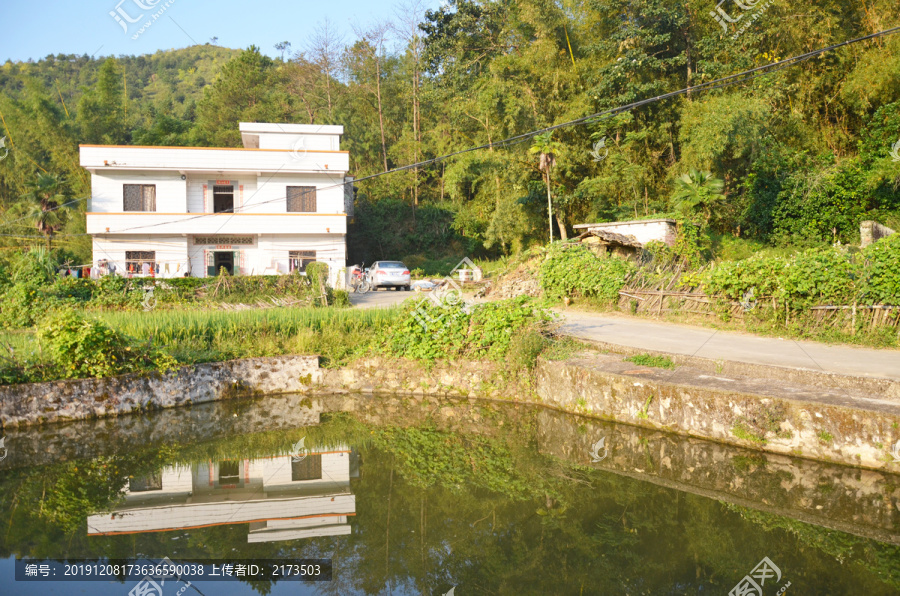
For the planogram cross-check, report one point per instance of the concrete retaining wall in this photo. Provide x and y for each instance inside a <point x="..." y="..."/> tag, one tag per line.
<point x="806" y="421"/>
<point x="804" y="424"/>
<point x="78" y="399"/>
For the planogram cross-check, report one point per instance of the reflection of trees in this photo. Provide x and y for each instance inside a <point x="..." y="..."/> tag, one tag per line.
<point x="480" y="509"/>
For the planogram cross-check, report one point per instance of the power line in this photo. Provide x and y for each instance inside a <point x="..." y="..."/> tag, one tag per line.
<point x="734" y="79"/>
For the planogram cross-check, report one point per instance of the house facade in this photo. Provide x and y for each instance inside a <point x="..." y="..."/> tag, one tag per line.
<point x="641" y="230"/>
<point x="281" y="497"/>
<point x="272" y="207"/>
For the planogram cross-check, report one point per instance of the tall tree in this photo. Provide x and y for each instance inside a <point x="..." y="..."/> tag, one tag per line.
<point x="547" y="148"/>
<point x="45" y="204"/>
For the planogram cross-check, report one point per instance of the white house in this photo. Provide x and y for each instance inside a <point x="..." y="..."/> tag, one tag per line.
<point x="271" y="207"/>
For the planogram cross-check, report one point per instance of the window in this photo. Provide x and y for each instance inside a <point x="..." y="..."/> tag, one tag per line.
<point x="223" y="198"/>
<point x="309" y="468"/>
<point x="140" y="197"/>
<point x="141" y="262"/>
<point x="299" y="259"/>
<point x="301" y="199"/>
<point x="144" y="483"/>
<point x="229" y="472"/>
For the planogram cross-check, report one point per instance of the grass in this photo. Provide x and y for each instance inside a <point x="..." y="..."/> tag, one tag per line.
<point x="648" y="360"/>
<point x="204" y="336"/>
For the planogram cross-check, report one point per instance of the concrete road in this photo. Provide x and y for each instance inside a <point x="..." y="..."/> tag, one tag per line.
<point x="730" y="345"/>
<point x="380" y="299"/>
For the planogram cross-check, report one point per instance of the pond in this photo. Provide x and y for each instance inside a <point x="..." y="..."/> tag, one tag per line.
<point x="435" y="496"/>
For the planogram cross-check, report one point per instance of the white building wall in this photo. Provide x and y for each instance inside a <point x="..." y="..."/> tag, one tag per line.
<point x="171" y="250"/>
<point x="108" y="195"/>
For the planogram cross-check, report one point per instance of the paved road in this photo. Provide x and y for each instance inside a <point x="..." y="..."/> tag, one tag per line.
<point x="703" y="342"/>
<point x="730" y="345"/>
<point x="380" y="299"/>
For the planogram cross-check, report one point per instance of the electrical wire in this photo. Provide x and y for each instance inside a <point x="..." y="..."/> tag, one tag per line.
<point x="727" y="81"/>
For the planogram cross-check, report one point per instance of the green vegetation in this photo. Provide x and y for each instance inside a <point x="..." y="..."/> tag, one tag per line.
<point x="742" y="430"/>
<point x="761" y="163"/>
<point x="429" y="331"/>
<point x="649" y="360"/>
<point x="573" y="270"/>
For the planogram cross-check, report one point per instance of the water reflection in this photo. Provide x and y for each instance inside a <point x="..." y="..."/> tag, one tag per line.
<point x="281" y="497"/>
<point x="486" y="496"/>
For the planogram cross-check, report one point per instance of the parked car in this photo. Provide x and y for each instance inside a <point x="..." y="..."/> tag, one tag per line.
<point x="389" y="274"/>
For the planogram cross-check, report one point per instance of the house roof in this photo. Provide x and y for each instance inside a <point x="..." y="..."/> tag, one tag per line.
<point x="611" y="237"/>
<point x="622" y="223"/>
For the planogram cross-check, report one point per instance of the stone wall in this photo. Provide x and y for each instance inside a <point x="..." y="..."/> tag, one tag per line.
<point x="871" y="232"/>
<point x="78" y="399"/>
<point x="814" y="422"/>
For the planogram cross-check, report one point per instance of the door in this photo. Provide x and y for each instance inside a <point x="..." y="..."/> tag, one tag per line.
<point x="223" y="198"/>
<point x="223" y="259"/>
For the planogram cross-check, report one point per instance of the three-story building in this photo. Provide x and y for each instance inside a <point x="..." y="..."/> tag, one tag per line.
<point x="272" y="207"/>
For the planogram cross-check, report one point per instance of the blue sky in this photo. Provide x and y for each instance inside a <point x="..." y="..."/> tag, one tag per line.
<point x="36" y="28"/>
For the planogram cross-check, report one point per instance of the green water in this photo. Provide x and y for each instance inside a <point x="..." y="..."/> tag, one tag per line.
<point x="418" y="497"/>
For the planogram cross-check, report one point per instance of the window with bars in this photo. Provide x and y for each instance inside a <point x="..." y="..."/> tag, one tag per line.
<point x="142" y="262"/>
<point x="139" y="197"/>
<point x="309" y="468"/>
<point x="299" y="259"/>
<point x="142" y="484"/>
<point x="301" y="199"/>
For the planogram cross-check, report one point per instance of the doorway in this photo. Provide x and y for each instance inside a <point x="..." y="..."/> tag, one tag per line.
<point x="223" y="259"/>
<point x="223" y="198"/>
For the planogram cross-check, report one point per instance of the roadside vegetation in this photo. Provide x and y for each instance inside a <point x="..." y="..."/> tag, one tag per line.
<point x="59" y="328"/>
<point x="835" y="293"/>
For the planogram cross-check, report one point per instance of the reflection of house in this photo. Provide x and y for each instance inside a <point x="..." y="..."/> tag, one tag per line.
<point x="281" y="499"/>
<point x="627" y="237"/>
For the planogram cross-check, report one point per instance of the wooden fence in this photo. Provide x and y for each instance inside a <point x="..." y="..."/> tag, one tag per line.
<point x="656" y="295"/>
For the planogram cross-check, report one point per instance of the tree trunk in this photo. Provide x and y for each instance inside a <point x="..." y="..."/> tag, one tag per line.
<point x="563" y="235"/>
<point x="380" y="110"/>
<point x="549" y="207"/>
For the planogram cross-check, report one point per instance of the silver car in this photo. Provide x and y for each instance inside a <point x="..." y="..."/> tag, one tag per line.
<point x="389" y="274"/>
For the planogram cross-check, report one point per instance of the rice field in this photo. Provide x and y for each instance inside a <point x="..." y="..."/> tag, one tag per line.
<point x="186" y="325"/>
<point x="204" y="336"/>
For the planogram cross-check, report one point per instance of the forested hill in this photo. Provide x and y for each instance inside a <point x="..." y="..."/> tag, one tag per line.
<point x="797" y="157"/>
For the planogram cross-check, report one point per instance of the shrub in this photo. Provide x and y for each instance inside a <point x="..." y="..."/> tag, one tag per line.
<point x="83" y="347"/>
<point x="427" y="330"/>
<point x="882" y="272"/>
<point x="573" y="270"/>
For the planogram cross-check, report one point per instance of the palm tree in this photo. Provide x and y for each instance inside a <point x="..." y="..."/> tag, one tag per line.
<point x="45" y="204"/>
<point x="698" y="191"/>
<point x="548" y="149"/>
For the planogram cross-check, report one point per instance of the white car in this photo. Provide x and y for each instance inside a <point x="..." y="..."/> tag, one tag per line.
<point x="389" y="274"/>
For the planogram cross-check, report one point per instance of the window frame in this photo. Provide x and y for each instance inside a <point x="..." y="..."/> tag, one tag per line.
<point x="307" y="257"/>
<point x="307" y="199"/>
<point x="143" y="198"/>
<point x="138" y="258"/>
